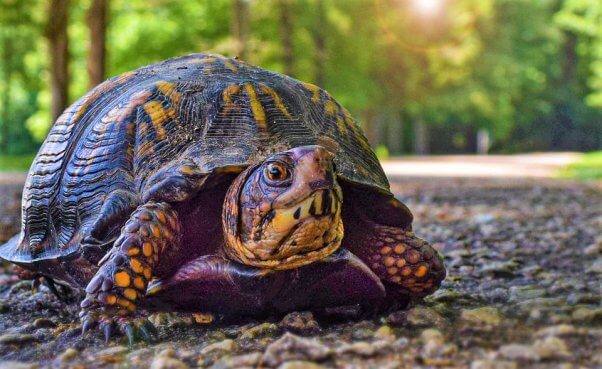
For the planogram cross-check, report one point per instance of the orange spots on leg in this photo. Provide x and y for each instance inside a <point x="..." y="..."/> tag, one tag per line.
<point x="139" y="283"/>
<point x="130" y="293"/>
<point x="136" y="266"/>
<point x="147" y="249"/>
<point x="399" y="248"/>
<point x="385" y="250"/>
<point x="122" y="279"/>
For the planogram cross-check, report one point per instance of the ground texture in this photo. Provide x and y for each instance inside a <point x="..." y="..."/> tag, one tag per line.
<point x="523" y="291"/>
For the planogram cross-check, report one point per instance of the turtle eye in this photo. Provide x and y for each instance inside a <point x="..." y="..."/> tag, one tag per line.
<point x="277" y="172"/>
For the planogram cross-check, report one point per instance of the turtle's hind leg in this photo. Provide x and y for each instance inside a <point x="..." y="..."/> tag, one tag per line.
<point x="113" y="293"/>
<point x="408" y="266"/>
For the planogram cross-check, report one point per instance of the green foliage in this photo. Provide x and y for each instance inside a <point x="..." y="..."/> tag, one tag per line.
<point x="15" y="162"/>
<point x="528" y="71"/>
<point x="589" y="167"/>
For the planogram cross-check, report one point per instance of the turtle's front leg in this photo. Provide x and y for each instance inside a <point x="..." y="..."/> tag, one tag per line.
<point x="112" y="295"/>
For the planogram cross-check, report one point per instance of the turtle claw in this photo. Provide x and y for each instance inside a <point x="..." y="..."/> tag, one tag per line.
<point x="87" y="324"/>
<point x="135" y="329"/>
<point x="107" y="330"/>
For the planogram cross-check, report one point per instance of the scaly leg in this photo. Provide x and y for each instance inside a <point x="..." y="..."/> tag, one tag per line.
<point x="112" y="295"/>
<point x="408" y="266"/>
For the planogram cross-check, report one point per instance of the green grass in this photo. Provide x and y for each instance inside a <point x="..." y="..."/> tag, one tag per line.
<point x="589" y="167"/>
<point x="15" y="162"/>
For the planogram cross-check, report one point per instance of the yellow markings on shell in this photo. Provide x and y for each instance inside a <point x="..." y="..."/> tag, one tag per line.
<point x="169" y="89"/>
<point x="159" y="116"/>
<point x="207" y="60"/>
<point x="227" y="95"/>
<point x="315" y="91"/>
<point x="342" y="126"/>
<point x="147" y="273"/>
<point x="330" y="108"/>
<point x="136" y="266"/>
<point x="228" y="64"/>
<point x="277" y="101"/>
<point x="256" y="107"/>
<point x="122" y="279"/>
<point x="130" y="294"/>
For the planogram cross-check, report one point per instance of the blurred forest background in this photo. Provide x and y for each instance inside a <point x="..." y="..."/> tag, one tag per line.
<point x="423" y="76"/>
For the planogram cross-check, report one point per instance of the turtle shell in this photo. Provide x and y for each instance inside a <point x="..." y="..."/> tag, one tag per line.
<point x="218" y="112"/>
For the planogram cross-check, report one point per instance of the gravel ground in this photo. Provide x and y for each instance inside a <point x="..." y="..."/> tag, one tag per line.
<point x="523" y="290"/>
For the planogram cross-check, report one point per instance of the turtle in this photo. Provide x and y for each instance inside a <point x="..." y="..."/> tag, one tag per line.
<point x="205" y="184"/>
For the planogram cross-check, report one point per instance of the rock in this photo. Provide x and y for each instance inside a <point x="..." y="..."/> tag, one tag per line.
<point x="302" y="323"/>
<point x="518" y="352"/>
<point x="585" y="315"/>
<point x="16" y="338"/>
<point x="557" y="330"/>
<point x="166" y="359"/>
<point x="43" y="323"/>
<point x="363" y="330"/>
<point x="363" y="348"/>
<point x="68" y="355"/>
<point x="17" y="365"/>
<point x="596" y="267"/>
<point x="487" y="316"/>
<point x="384" y="332"/>
<point x="493" y="364"/>
<point x="594" y="249"/>
<point x="112" y="354"/>
<point x="417" y="317"/>
<point x="292" y="347"/>
<point x="260" y="330"/>
<point x="521" y="293"/>
<point x="434" y="344"/>
<point x="300" y="365"/>
<point x="551" y="348"/>
<point x="251" y="360"/>
<point x="225" y="346"/>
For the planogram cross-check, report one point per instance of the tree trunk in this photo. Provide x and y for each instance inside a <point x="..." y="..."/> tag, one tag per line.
<point x="97" y="23"/>
<point x="58" y="11"/>
<point x="286" y="31"/>
<point x="319" y="39"/>
<point x="395" y="132"/>
<point x="7" y="47"/>
<point x="240" y="27"/>
<point x="421" y="137"/>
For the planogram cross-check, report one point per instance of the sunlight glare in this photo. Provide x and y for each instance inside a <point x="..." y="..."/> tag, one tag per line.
<point x="427" y="7"/>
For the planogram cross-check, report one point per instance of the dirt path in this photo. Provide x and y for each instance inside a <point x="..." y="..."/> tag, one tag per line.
<point x="523" y="291"/>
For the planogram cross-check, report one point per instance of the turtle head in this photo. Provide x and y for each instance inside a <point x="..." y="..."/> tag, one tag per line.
<point x="286" y="211"/>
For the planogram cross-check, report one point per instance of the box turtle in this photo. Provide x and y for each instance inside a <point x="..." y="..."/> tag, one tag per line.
<point x="202" y="183"/>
